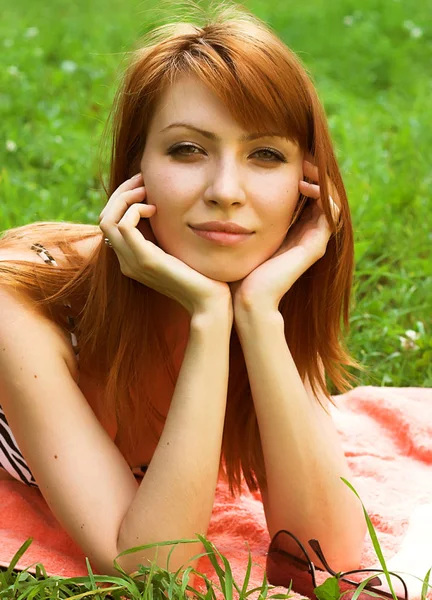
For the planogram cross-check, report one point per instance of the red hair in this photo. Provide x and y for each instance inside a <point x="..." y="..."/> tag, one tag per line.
<point x="265" y="86"/>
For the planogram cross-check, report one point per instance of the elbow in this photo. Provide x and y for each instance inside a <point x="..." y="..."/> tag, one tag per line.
<point x="126" y="564"/>
<point x="354" y="543"/>
<point x="180" y="559"/>
<point x="347" y="563"/>
<point x="344" y="548"/>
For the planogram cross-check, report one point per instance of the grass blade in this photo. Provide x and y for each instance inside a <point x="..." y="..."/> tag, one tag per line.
<point x="374" y="539"/>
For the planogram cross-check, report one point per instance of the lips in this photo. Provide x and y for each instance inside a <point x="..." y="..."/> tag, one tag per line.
<point x="222" y="226"/>
<point x="222" y="238"/>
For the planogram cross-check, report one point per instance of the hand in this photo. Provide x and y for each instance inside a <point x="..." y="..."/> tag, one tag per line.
<point x="305" y="243"/>
<point x="123" y="223"/>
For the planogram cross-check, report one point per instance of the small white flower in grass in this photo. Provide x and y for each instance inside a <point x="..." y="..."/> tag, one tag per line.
<point x="413" y="335"/>
<point x="348" y="20"/>
<point x="416" y="32"/>
<point x="11" y="146"/>
<point x="13" y="70"/>
<point x="31" y="32"/>
<point x="58" y="139"/>
<point x="407" y="343"/>
<point x="68" y="66"/>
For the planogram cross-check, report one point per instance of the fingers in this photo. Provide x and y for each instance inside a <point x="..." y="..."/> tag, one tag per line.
<point x="310" y="170"/>
<point x="312" y="190"/>
<point x="123" y="211"/>
<point x="127" y="228"/>
<point x="130" y="185"/>
<point x="114" y="212"/>
<point x="118" y="205"/>
<point x="126" y="240"/>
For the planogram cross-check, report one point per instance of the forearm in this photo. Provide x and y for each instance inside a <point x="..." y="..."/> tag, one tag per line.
<point x="303" y="456"/>
<point x="175" y="498"/>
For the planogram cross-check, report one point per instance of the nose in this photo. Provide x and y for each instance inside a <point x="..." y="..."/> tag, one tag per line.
<point x="225" y="184"/>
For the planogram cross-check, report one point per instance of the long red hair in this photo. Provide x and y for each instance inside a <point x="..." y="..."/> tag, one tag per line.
<point x="265" y="86"/>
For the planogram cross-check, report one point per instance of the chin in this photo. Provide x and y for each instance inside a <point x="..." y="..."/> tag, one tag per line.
<point x="224" y="277"/>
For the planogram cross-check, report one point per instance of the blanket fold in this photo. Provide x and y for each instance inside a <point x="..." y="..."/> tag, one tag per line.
<point x="386" y="434"/>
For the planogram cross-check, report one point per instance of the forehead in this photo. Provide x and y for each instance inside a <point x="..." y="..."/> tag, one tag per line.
<point x="189" y="101"/>
<point x="186" y="96"/>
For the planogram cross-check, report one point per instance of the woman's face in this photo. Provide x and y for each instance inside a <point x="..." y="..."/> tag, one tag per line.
<point x="194" y="177"/>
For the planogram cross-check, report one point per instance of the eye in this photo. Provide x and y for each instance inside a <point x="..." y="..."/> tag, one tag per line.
<point x="174" y="150"/>
<point x="275" y="154"/>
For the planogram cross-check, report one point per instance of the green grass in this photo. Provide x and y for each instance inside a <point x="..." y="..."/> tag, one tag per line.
<point x="370" y="59"/>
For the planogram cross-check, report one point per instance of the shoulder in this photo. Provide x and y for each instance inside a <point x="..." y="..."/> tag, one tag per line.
<point x="13" y="303"/>
<point x="27" y="324"/>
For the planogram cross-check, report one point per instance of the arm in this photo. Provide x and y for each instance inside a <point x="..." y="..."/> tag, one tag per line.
<point x="175" y="498"/>
<point x="303" y="456"/>
<point x="81" y="473"/>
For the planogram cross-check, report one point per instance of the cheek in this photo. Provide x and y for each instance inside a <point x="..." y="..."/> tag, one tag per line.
<point x="281" y="209"/>
<point x="168" y="191"/>
<point x="292" y="189"/>
<point x="277" y="220"/>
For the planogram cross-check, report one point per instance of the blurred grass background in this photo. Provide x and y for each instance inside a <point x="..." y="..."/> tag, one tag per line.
<point x="60" y="63"/>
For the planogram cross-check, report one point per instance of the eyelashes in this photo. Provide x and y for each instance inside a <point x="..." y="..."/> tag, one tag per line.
<point x="175" y="150"/>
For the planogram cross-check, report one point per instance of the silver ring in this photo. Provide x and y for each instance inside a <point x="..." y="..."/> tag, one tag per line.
<point x="107" y="242"/>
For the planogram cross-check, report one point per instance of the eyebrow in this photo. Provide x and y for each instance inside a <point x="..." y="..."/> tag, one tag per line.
<point x="212" y="136"/>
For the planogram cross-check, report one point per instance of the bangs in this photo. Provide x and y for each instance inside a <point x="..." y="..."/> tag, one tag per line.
<point x="262" y="92"/>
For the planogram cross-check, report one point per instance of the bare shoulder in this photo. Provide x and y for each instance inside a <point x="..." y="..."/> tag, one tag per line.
<point x="22" y="311"/>
<point x="15" y="304"/>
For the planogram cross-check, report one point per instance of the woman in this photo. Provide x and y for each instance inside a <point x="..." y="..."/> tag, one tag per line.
<point x="199" y="354"/>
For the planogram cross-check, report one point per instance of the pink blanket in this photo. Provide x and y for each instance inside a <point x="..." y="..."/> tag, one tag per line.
<point x="386" y="434"/>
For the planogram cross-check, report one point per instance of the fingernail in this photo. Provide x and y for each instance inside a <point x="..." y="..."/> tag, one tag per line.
<point x="137" y="176"/>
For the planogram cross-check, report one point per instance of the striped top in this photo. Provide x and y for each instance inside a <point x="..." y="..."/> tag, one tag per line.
<point x="11" y="458"/>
